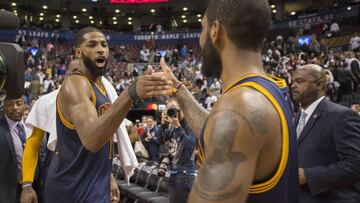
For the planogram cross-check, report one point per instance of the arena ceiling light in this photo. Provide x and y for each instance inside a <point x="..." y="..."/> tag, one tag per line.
<point x="90" y="17"/>
<point x="293" y="13"/>
<point x="115" y="23"/>
<point x="274" y="11"/>
<point x="114" y="18"/>
<point x="117" y="11"/>
<point x="77" y="21"/>
<point x="100" y="22"/>
<point x="129" y="18"/>
<point x="349" y="8"/>
<point x="13" y="4"/>
<point x="41" y="18"/>
<point x="83" y="10"/>
<point x="74" y="17"/>
<point x="41" y="14"/>
<point x="152" y="10"/>
<point x="57" y="20"/>
<point x="129" y="23"/>
<point x="199" y="20"/>
<point x="45" y="7"/>
<point x="185" y="9"/>
<point x="183" y="16"/>
<point x="92" y="22"/>
<point x="199" y="15"/>
<point x="15" y="11"/>
<point x="272" y="6"/>
<point x="185" y="21"/>
<point x="58" y="16"/>
<point x="94" y="0"/>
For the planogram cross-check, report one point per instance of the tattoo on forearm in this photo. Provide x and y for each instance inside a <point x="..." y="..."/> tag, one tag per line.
<point x="195" y="115"/>
<point x="211" y="183"/>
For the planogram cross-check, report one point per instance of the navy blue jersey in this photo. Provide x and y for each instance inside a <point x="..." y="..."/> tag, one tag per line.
<point x="76" y="174"/>
<point x="283" y="186"/>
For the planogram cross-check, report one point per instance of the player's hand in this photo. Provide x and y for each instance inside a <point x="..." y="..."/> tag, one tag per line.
<point x="167" y="72"/>
<point x="148" y="86"/>
<point x="28" y="195"/>
<point x="114" y="190"/>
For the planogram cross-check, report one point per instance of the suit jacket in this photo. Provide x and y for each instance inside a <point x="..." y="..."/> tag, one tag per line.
<point x="329" y="152"/>
<point x="8" y="165"/>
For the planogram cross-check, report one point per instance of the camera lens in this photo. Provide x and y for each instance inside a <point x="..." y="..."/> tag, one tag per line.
<point x="172" y="112"/>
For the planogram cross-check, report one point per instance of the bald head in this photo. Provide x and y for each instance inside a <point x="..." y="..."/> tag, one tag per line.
<point x="309" y="84"/>
<point x="316" y="72"/>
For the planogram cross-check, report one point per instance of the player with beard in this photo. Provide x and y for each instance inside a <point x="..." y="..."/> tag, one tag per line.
<point x="248" y="141"/>
<point x="80" y="169"/>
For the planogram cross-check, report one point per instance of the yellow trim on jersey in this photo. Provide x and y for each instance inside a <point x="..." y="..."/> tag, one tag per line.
<point x="61" y="116"/>
<point x="269" y="184"/>
<point x="101" y="90"/>
<point x="281" y="83"/>
<point x="201" y="156"/>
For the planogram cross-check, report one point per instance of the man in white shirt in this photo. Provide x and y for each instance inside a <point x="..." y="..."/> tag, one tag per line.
<point x="210" y="101"/>
<point x="334" y="28"/>
<point x="355" y="43"/>
<point x="12" y="141"/>
<point x="328" y="139"/>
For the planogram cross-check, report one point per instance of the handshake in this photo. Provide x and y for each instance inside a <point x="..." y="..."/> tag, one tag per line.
<point x="154" y="85"/>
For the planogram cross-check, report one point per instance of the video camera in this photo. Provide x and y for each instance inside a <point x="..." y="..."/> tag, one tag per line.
<point x="12" y="65"/>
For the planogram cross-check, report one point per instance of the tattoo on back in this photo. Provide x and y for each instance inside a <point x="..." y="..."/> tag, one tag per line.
<point x="211" y="183"/>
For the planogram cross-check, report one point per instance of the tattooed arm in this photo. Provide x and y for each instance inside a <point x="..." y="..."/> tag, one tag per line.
<point x="195" y="114"/>
<point x="235" y="134"/>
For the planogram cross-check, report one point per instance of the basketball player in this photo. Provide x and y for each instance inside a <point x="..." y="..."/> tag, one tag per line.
<point x="42" y="119"/>
<point x="81" y="166"/>
<point x="247" y="141"/>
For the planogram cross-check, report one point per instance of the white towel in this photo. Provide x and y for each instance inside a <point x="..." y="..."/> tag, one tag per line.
<point x="43" y="116"/>
<point x="126" y="153"/>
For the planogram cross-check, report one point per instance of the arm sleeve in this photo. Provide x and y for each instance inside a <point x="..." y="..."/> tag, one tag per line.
<point x="31" y="154"/>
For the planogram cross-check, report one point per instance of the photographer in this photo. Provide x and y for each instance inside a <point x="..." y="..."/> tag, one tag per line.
<point x="179" y="152"/>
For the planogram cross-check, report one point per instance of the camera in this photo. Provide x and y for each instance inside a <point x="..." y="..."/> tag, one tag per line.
<point x="12" y="66"/>
<point x="172" y="112"/>
<point x="164" y="166"/>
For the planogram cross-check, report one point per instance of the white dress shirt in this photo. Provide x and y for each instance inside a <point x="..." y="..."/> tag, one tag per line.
<point x="311" y="108"/>
<point x="17" y="141"/>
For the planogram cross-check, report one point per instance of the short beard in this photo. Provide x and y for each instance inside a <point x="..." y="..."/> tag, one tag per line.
<point x="211" y="62"/>
<point x="93" y="68"/>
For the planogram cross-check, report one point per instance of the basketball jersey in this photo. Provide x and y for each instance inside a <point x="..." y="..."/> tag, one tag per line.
<point x="283" y="186"/>
<point x="76" y="174"/>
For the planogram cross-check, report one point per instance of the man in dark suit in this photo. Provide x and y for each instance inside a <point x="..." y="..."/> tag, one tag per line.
<point x="12" y="140"/>
<point x="328" y="141"/>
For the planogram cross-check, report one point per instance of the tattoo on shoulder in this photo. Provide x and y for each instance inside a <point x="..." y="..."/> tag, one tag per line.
<point x="211" y="182"/>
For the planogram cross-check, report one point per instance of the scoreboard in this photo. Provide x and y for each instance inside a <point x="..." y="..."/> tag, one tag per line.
<point x="136" y="1"/>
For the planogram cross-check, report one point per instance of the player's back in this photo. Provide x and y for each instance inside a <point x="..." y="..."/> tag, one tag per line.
<point x="281" y="186"/>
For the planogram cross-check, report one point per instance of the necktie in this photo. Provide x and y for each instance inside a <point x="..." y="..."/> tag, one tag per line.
<point x="301" y="124"/>
<point x="21" y="133"/>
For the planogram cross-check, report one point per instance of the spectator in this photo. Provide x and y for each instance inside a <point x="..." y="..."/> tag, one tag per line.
<point x="355" y="43"/>
<point x="34" y="88"/>
<point x="12" y="142"/>
<point x="334" y="28"/>
<point x="150" y="139"/>
<point x="210" y="101"/>
<point x="179" y="156"/>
